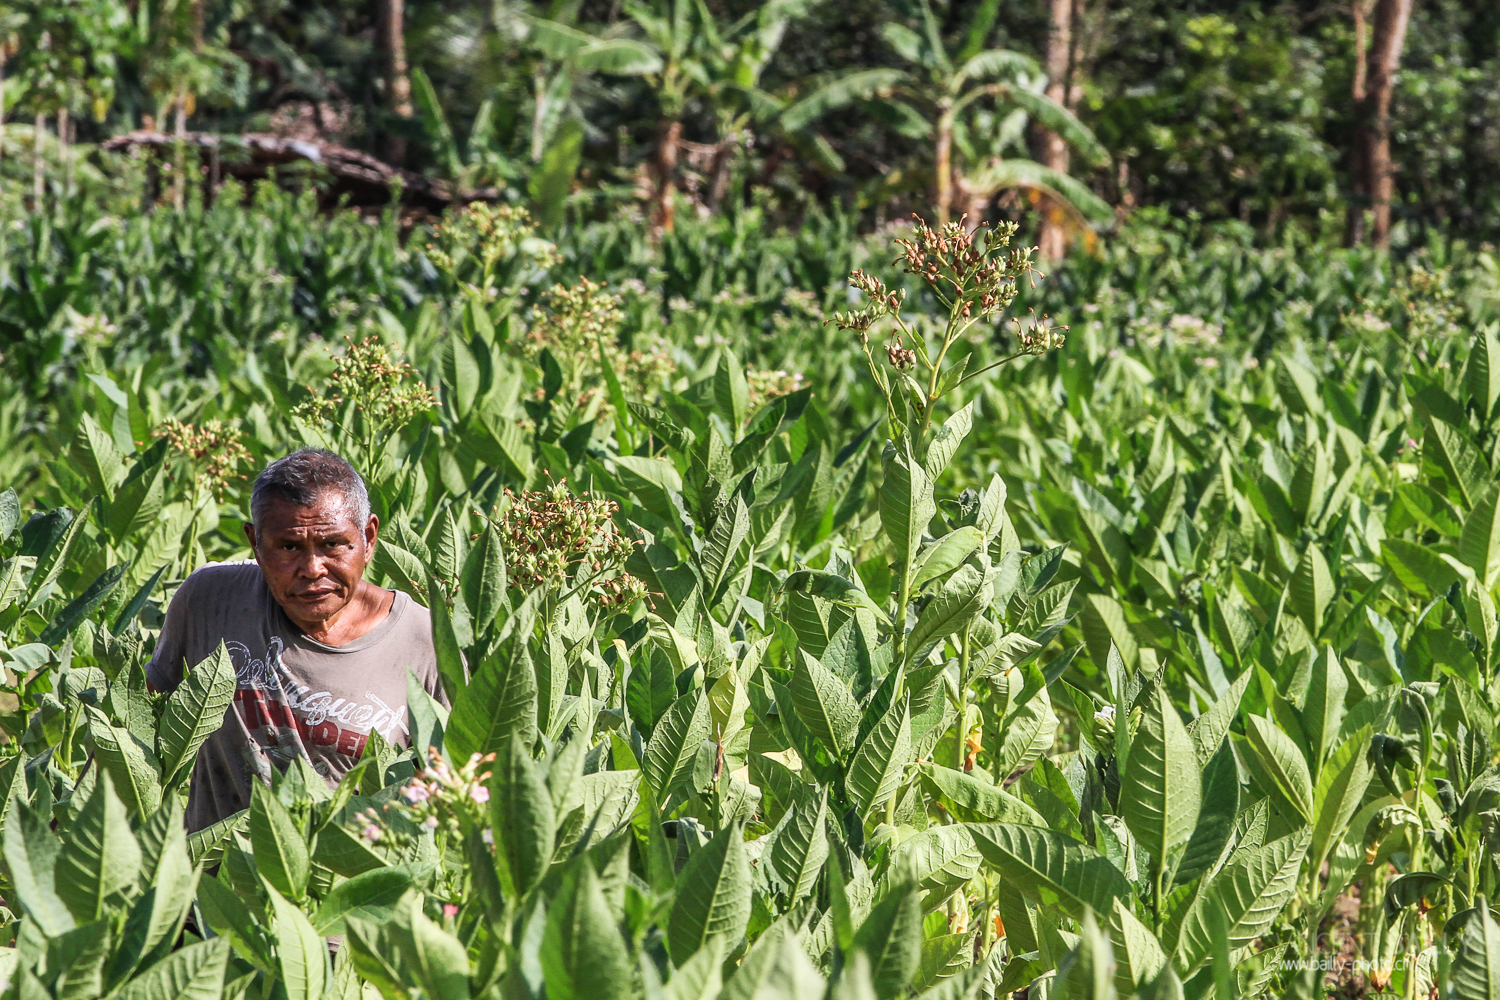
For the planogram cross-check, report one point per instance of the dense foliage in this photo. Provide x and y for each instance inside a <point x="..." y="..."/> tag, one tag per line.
<point x="796" y="642"/>
<point x="1223" y="109"/>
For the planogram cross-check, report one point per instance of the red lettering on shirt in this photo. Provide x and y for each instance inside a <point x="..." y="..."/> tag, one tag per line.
<point x="325" y="734"/>
<point x="349" y="743"/>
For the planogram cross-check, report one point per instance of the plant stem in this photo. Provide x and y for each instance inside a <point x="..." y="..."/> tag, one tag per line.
<point x="962" y="731"/>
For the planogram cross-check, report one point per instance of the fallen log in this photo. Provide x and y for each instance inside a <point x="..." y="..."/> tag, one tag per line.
<point x="346" y="176"/>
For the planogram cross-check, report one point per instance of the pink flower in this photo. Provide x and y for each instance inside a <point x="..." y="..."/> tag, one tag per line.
<point x="449" y="911"/>
<point x="372" y="833"/>
<point x="416" y="793"/>
<point x="480" y="794"/>
<point x="430" y="823"/>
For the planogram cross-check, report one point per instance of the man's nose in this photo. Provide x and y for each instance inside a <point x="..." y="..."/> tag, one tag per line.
<point x="311" y="566"/>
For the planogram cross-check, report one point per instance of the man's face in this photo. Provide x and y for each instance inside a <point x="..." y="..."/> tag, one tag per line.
<point x="312" y="557"/>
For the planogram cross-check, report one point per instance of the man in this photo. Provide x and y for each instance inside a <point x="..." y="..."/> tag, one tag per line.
<point x="321" y="654"/>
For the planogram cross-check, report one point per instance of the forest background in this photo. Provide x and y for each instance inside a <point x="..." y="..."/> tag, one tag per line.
<point x="1259" y="113"/>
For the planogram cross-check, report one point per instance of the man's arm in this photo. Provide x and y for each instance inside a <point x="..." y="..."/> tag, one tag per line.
<point x="169" y="660"/>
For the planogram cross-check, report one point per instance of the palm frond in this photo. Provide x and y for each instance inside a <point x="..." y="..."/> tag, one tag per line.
<point x="857" y="86"/>
<point x="556" y="40"/>
<point x="1002" y="175"/>
<point x="1059" y="119"/>
<point x="993" y="64"/>
<point x="619" y="57"/>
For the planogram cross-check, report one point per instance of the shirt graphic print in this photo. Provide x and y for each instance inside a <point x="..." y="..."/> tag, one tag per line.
<point x="294" y="696"/>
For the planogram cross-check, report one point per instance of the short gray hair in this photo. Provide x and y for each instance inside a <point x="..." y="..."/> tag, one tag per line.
<point x="305" y="475"/>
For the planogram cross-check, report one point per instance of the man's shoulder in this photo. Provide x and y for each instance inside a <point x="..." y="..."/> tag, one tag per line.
<point x="415" y="620"/>
<point x="222" y="577"/>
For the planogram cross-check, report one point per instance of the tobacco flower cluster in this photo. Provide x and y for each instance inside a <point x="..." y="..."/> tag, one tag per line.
<point x="389" y="393"/>
<point x="1039" y="335"/>
<point x="883" y="302"/>
<point x="966" y="269"/>
<point x="440" y="797"/>
<point x="214" y="450"/>
<point x="550" y="535"/>
<point x="576" y="323"/>
<point x="767" y="385"/>
<point x="488" y="233"/>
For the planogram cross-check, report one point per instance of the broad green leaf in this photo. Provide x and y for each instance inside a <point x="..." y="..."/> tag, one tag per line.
<point x="1451" y="451"/>
<point x="1208" y="729"/>
<point x="1140" y="955"/>
<point x="722" y="545"/>
<point x="799" y="845"/>
<point x="1417" y="566"/>
<point x="370" y="896"/>
<point x="731" y="393"/>
<point x="1088" y="971"/>
<point x="946" y="554"/>
<point x="583" y="956"/>
<point x="10" y="513"/>
<point x="499" y="704"/>
<point x="194" y="973"/>
<point x="1216" y="816"/>
<point x="31" y="855"/>
<point x="280" y="847"/>
<point x="1479" y="545"/>
<point x="906" y="502"/>
<point x="1323" y="708"/>
<point x="484" y="578"/>
<point x="83" y="605"/>
<point x="100" y="859"/>
<point x="1283" y="761"/>
<point x="54" y="558"/>
<point x="1339" y="793"/>
<point x="193" y="712"/>
<point x="777" y="966"/>
<point x="301" y="955"/>
<point x="941" y="859"/>
<point x="1050" y="867"/>
<point x="946" y="439"/>
<point x="976" y="799"/>
<point x="713" y="896"/>
<point x="130" y="763"/>
<point x="138" y="500"/>
<point x="1482" y="378"/>
<point x="1251" y="891"/>
<point x="1310" y="590"/>
<point x="522" y="818"/>
<point x="1475" y="973"/>
<point x="1027" y="730"/>
<point x="881" y="759"/>
<point x="962" y="597"/>
<point x="824" y="704"/>
<point x="832" y="588"/>
<point x="1159" y="791"/>
<point x="674" y="743"/>
<point x="891" y="935"/>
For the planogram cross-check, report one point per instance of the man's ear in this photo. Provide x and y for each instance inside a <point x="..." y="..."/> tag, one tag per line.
<point x="372" y="533"/>
<point x="250" y="535"/>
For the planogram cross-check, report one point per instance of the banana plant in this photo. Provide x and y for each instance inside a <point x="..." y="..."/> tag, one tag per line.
<point x="935" y="101"/>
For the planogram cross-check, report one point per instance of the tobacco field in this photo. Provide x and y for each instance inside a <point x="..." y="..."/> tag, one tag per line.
<point x="949" y="630"/>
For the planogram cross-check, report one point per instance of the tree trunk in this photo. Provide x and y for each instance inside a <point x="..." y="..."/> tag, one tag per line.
<point x="2" y="99"/>
<point x="179" y="164"/>
<point x="391" y="28"/>
<point x="942" y="164"/>
<point x="1359" y="178"/>
<point x="1052" y="240"/>
<point x="666" y="176"/>
<point x="38" y="168"/>
<point x="1387" y="36"/>
<point x="65" y="150"/>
